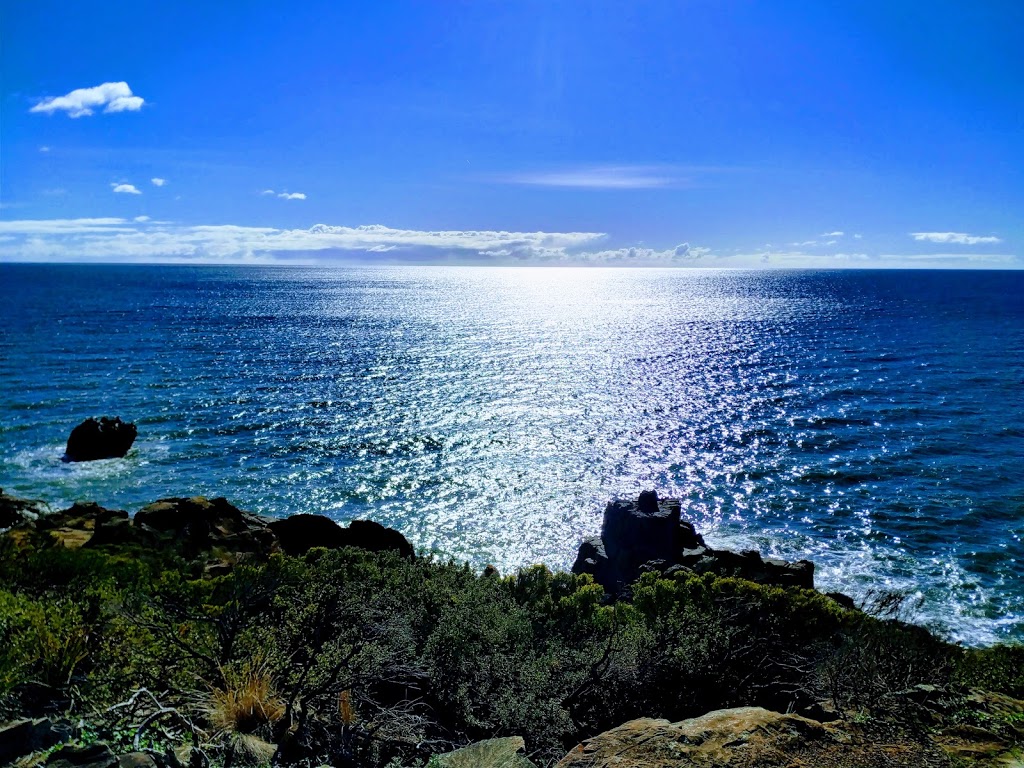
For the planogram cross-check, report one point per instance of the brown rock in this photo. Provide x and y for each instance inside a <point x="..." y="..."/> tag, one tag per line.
<point x="746" y="736"/>
<point x="492" y="753"/>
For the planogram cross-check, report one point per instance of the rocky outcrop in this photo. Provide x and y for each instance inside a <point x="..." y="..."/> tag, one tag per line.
<point x="100" y="439"/>
<point x="649" y="534"/>
<point x="198" y="524"/>
<point x="212" y="531"/>
<point x="745" y="736"/>
<point x="15" y="511"/>
<point x="300" y="533"/>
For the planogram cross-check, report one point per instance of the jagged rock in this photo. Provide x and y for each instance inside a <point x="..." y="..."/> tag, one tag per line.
<point x="197" y="525"/>
<point x="366" y="534"/>
<point x="633" y="533"/>
<point x="492" y="753"/>
<point x="727" y="737"/>
<point x="87" y="524"/>
<point x="93" y="756"/>
<point x="648" y="534"/>
<point x="15" y="511"/>
<point x="300" y="533"/>
<point x="100" y="439"/>
<point x="23" y="737"/>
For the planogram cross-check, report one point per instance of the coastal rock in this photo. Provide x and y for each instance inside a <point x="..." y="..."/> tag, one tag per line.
<point x="648" y="534"/>
<point x="15" y="511"/>
<point x="100" y="439"/>
<point x="634" y="533"/>
<point x="87" y="524"/>
<point x="745" y="736"/>
<point x="197" y="525"/>
<point x="300" y="533"/>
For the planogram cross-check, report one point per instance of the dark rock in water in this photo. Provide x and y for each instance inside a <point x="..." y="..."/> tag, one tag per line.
<point x="100" y="439"/>
<point x="93" y="756"/>
<point x="300" y="533"/>
<point x="648" y="534"/>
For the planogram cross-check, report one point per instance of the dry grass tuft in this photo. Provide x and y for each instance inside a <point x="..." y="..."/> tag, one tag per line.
<point x="247" y="703"/>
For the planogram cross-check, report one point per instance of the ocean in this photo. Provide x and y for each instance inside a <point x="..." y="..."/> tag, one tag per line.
<point x="871" y="421"/>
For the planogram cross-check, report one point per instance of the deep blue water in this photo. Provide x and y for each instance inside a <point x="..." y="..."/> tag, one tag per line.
<point x="870" y="421"/>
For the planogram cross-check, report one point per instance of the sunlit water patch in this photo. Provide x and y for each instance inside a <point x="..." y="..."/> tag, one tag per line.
<point x="869" y="421"/>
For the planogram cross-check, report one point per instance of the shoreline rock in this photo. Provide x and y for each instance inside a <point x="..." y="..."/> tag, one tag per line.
<point x="649" y="534"/>
<point x="212" y="531"/>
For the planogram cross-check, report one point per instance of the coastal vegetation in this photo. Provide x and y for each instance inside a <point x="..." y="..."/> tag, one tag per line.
<point x="211" y="645"/>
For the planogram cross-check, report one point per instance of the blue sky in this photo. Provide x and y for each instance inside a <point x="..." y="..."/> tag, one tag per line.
<point x="707" y="133"/>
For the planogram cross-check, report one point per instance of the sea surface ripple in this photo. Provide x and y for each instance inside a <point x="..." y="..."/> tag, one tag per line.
<point x="869" y="421"/>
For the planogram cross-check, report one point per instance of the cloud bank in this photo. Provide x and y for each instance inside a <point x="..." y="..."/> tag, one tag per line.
<point x="143" y="240"/>
<point x="955" y="238"/>
<point x="81" y="102"/>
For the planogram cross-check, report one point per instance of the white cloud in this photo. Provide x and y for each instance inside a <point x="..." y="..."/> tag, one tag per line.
<point x="44" y="149"/>
<point x="158" y="182"/>
<point x="125" y="189"/>
<point x="285" y="195"/>
<point x="955" y="238"/>
<point x="146" y="240"/>
<point x="837" y="233"/>
<point x="116" y="239"/>
<point x="858" y="237"/>
<point x="43" y="227"/>
<point x="599" y="177"/>
<point x="113" y="97"/>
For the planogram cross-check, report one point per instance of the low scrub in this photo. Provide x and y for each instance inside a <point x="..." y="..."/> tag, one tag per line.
<point x="356" y="658"/>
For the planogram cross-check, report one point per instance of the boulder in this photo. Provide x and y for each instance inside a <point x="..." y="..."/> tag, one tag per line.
<point x="746" y="736"/>
<point x="491" y="753"/>
<point x="87" y="524"/>
<point x="23" y="737"/>
<point x="648" y="534"/>
<point x="198" y="525"/>
<point x="93" y="756"/>
<point x="100" y="439"/>
<point x="136" y="760"/>
<point x="633" y="533"/>
<point x="15" y="511"/>
<point x="375" y="537"/>
<point x="300" y="533"/>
